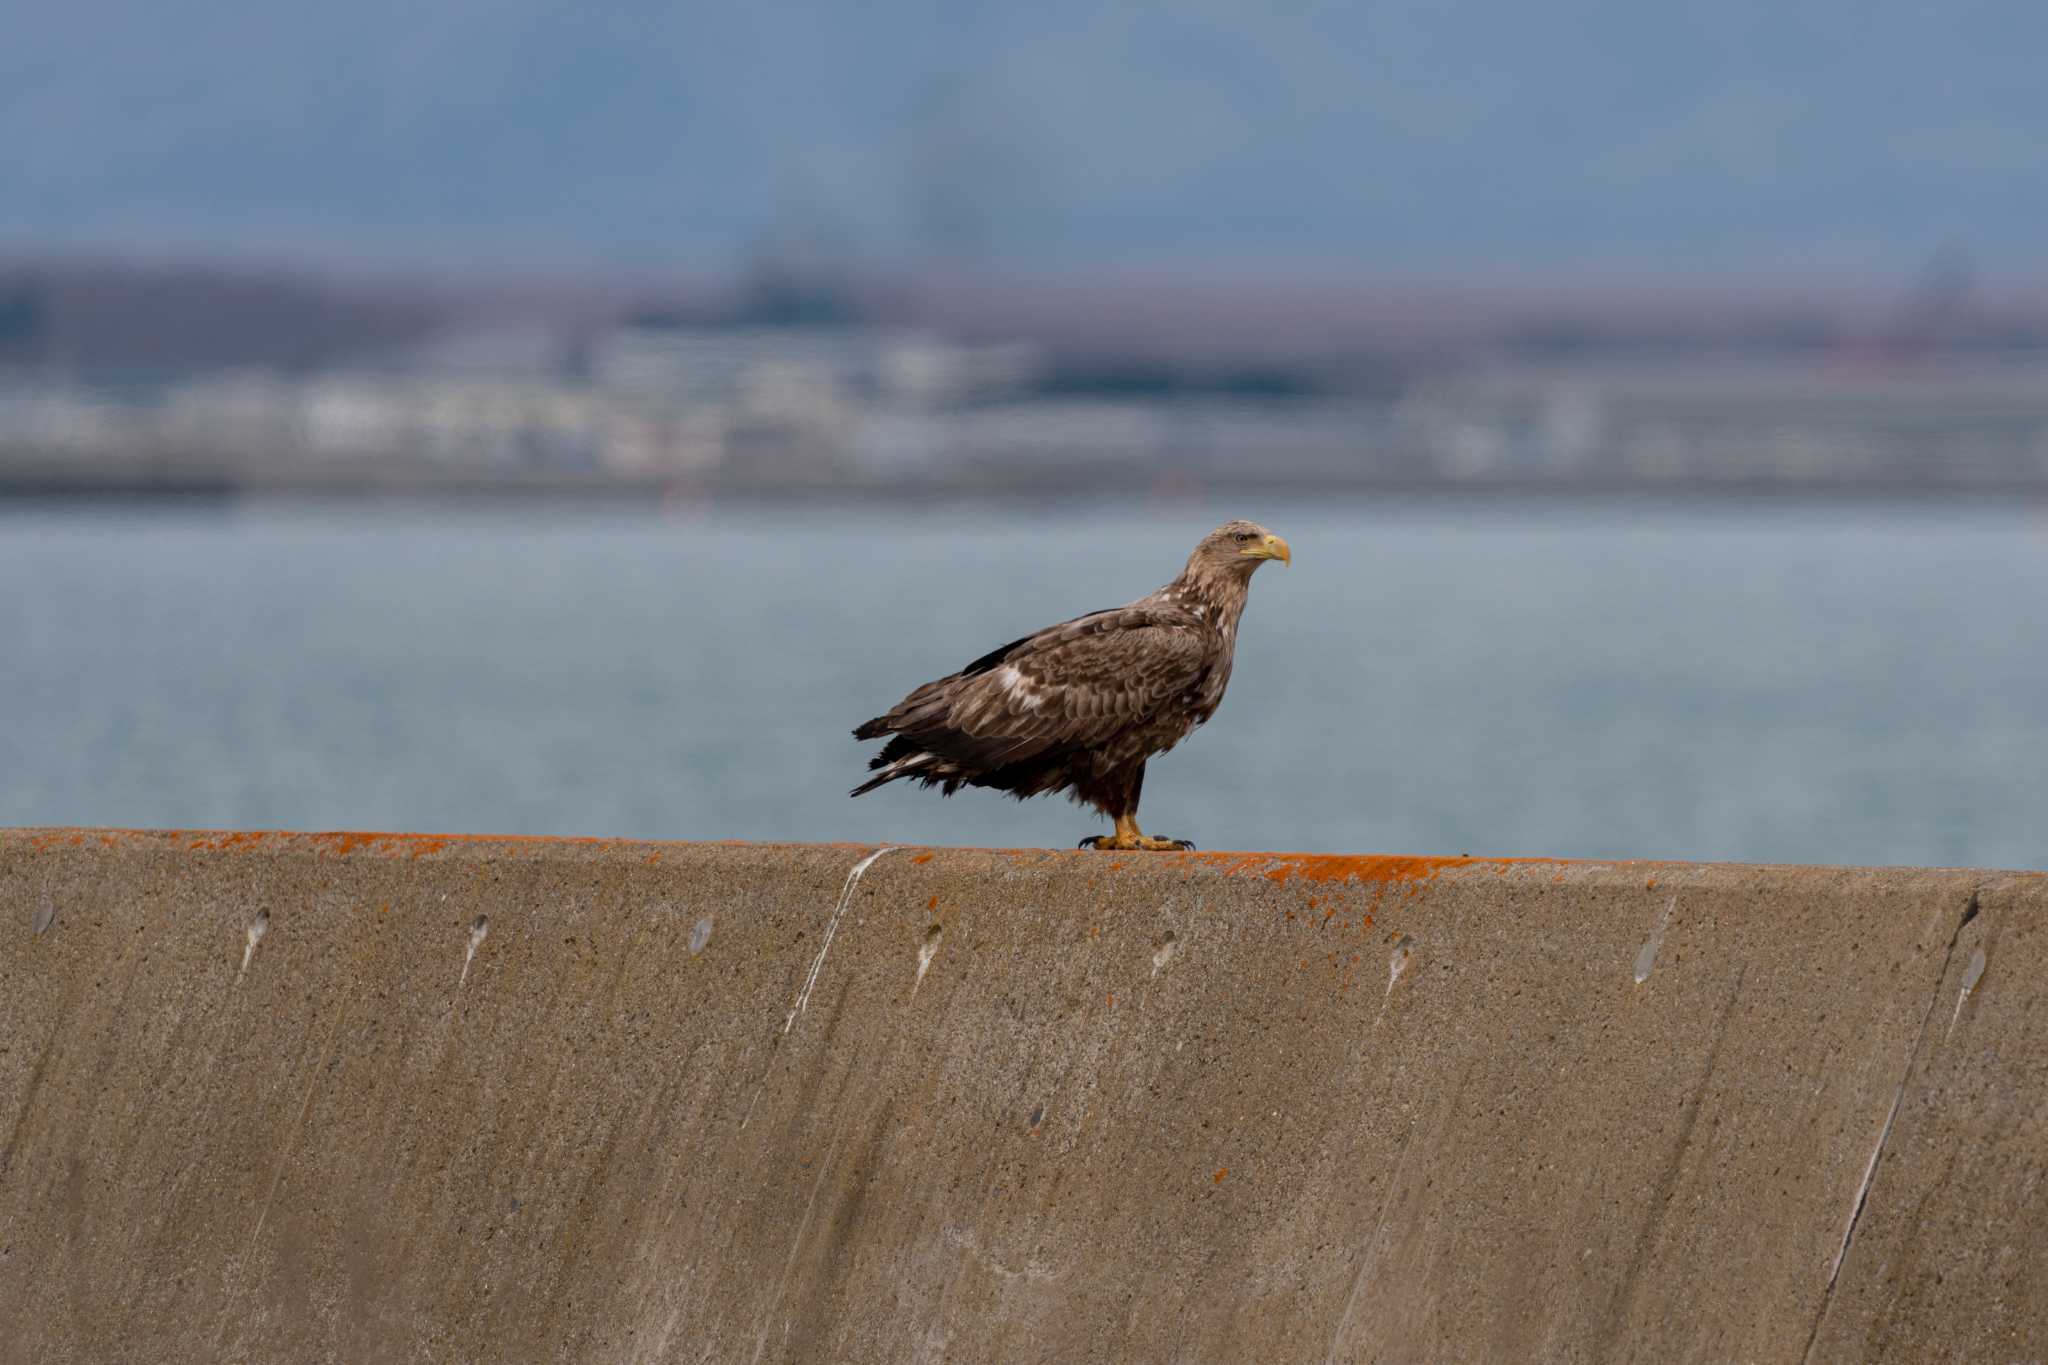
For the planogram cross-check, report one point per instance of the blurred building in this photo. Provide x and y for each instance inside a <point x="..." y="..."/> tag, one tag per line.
<point x="828" y="403"/>
<point x="1732" y="424"/>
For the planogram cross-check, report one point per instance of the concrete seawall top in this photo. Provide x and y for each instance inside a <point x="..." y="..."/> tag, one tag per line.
<point x="383" y="1097"/>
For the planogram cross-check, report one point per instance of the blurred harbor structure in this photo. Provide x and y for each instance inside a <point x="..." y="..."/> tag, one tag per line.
<point x="804" y="393"/>
<point x="636" y="403"/>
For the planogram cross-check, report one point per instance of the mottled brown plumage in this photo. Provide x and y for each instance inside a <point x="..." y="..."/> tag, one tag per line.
<point x="1080" y="706"/>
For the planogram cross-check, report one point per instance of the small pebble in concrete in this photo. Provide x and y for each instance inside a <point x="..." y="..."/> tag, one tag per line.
<point x="701" y="935"/>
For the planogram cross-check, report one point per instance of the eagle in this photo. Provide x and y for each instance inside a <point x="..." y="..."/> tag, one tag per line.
<point x="1079" y="707"/>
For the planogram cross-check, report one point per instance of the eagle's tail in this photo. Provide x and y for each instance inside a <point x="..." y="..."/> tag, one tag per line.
<point x="899" y="758"/>
<point x="873" y="729"/>
<point x="864" y="788"/>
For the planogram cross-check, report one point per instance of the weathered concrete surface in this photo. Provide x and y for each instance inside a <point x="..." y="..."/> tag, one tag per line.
<point x="728" y="1102"/>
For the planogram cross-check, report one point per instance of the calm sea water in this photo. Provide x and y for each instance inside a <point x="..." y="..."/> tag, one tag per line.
<point x="1787" y="684"/>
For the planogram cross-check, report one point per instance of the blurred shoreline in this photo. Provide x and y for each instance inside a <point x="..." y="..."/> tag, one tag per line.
<point x="59" y="484"/>
<point x="805" y="380"/>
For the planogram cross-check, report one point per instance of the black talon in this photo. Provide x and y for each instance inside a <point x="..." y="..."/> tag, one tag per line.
<point x="1184" y="845"/>
<point x="1092" y="841"/>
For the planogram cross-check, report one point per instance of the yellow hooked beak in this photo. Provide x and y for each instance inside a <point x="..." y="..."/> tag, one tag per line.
<point x="1272" y="547"/>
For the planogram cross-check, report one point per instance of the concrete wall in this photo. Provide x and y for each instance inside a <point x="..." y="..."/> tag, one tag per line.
<point x="371" y="1097"/>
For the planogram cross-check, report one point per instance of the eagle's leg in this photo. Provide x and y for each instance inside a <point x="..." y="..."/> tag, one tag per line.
<point x="1128" y="837"/>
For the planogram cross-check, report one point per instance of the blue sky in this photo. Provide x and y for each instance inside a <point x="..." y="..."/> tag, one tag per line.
<point x="1457" y="136"/>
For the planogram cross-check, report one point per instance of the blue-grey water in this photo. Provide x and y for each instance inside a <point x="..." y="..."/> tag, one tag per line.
<point x="1802" y="684"/>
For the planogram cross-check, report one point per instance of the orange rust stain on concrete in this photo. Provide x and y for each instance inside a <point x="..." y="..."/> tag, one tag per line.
<point x="343" y="844"/>
<point x="1220" y="1173"/>
<point x="585" y="839"/>
<point x="932" y="904"/>
<point x="332" y="841"/>
<point x="1381" y="870"/>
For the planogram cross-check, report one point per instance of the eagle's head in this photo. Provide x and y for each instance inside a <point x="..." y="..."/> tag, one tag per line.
<point x="1236" y="548"/>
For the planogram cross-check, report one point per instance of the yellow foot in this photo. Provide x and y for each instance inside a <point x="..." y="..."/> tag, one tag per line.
<point x="1135" y="843"/>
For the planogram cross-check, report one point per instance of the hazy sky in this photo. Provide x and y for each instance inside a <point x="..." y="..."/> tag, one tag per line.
<point x="1439" y="136"/>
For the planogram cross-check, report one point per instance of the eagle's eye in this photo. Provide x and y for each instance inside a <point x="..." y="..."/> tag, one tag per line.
<point x="1243" y="536"/>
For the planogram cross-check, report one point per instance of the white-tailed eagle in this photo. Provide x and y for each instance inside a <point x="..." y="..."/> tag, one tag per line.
<point x="1080" y="706"/>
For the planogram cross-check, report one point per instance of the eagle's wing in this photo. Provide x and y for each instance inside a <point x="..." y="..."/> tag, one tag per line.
<point x="1071" y="686"/>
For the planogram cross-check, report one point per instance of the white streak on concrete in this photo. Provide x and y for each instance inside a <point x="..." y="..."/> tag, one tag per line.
<point x="1369" y="1253"/>
<point x="258" y="927"/>
<point x="1863" y="1190"/>
<point x="1646" y="959"/>
<point x="478" y="930"/>
<point x="803" y="997"/>
<point x="1164" y="953"/>
<point x="1972" y="974"/>
<point x="284" y="1158"/>
<point x="810" y="1206"/>
<point x="928" y="950"/>
<point x="1397" y="963"/>
<point x="748" y="1117"/>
